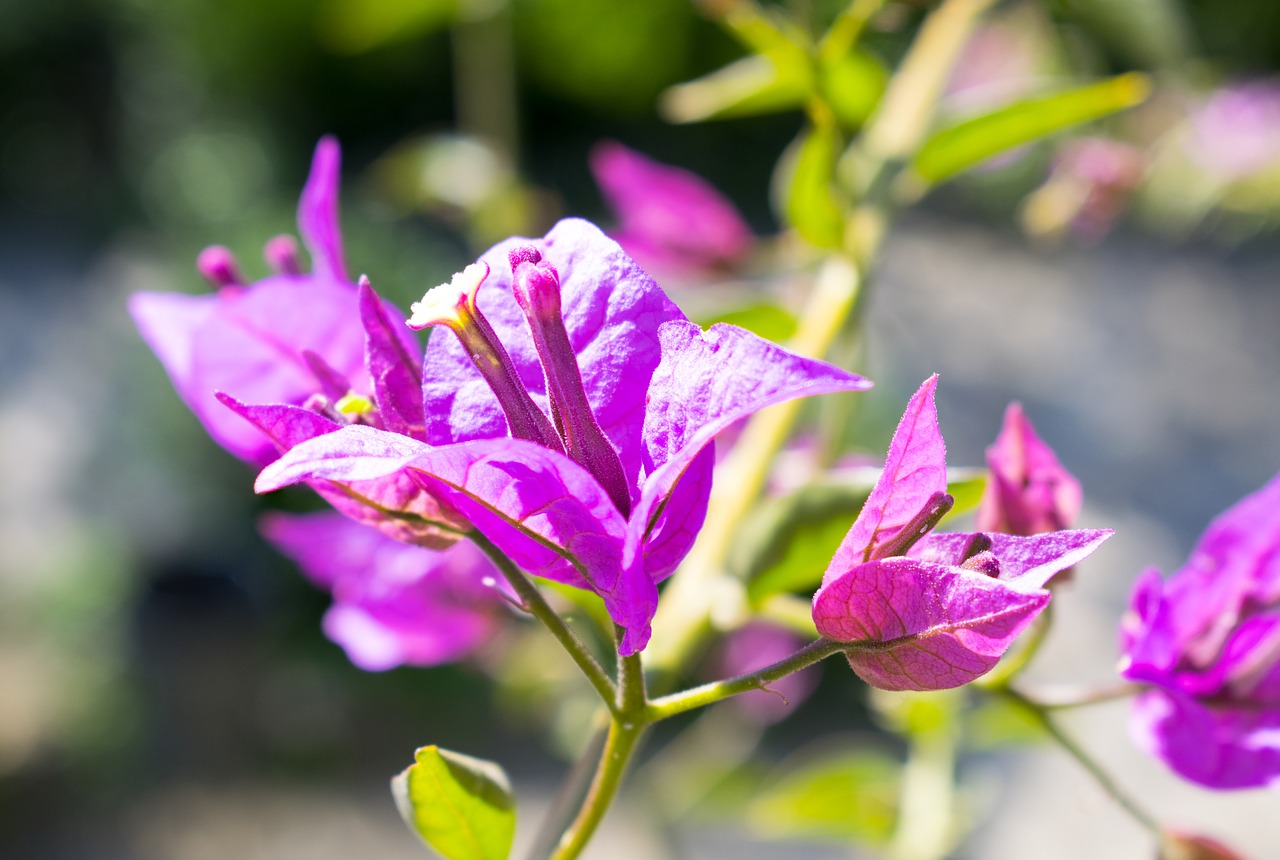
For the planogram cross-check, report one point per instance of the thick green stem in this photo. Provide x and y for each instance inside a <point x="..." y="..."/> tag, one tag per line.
<point x="537" y="606"/>
<point x="618" y="747"/>
<point x="625" y="728"/>
<point x="678" y="703"/>
<point x="1100" y="775"/>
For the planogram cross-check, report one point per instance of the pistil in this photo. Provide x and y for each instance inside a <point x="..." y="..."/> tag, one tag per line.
<point x="454" y="305"/>
<point x="536" y="284"/>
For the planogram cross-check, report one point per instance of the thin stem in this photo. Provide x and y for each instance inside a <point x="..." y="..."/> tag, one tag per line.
<point x="697" y="697"/>
<point x="1059" y="699"/>
<point x="571" y="795"/>
<point x="1100" y="775"/>
<point x="925" y="827"/>
<point x="538" y="607"/>
<point x="618" y="747"/>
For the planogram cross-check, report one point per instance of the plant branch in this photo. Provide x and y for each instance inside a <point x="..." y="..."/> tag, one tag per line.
<point x="538" y="607"/>
<point x="1100" y="775"/>
<point x="697" y="697"/>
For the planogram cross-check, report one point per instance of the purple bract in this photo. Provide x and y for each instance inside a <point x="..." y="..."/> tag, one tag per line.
<point x="393" y="603"/>
<point x="609" y="491"/>
<point x="670" y="220"/>
<point x="290" y="338"/>
<point x="1028" y="492"/>
<point x="942" y="608"/>
<point x="1208" y="641"/>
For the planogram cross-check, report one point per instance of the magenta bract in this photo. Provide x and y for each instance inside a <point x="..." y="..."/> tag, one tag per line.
<point x="658" y="388"/>
<point x="284" y="339"/>
<point x="1028" y="491"/>
<point x="393" y="604"/>
<point x="1208" y="641"/>
<point x="941" y="609"/>
<point x="670" y="220"/>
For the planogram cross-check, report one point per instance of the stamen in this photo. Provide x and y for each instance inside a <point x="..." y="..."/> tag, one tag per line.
<point x="218" y="266"/>
<point x="920" y="525"/>
<point x="282" y="255"/>
<point x="454" y="305"/>
<point x="537" y="290"/>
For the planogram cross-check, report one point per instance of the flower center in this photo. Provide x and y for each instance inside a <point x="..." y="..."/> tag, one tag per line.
<point x="536" y="285"/>
<point x="454" y="305"/>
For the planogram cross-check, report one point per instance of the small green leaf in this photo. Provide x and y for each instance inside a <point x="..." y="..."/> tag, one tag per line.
<point x="845" y="795"/>
<point x="852" y="86"/>
<point x="461" y="806"/>
<point x="955" y="149"/>
<point x="768" y="321"/>
<point x="356" y="26"/>
<point x="966" y="486"/>
<point x="804" y="186"/>
<point x="750" y="86"/>
<point x="788" y="542"/>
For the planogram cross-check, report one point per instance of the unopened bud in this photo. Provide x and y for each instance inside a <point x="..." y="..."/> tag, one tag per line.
<point x="281" y="253"/>
<point x="218" y="266"/>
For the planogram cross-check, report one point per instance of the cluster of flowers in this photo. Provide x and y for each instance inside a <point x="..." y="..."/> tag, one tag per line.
<point x="569" y="425"/>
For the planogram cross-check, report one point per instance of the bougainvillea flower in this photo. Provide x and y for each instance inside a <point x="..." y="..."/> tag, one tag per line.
<point x="289" y="338"/>
<point x="670" y="220"/>
<point x="1207" y="640"/>
<point x="1236" y="131"/>
<point x="941" y="608"/>
<point x="609" y="492"/>
<point x="1028" y="491"/>
<point x="393" y="604"/>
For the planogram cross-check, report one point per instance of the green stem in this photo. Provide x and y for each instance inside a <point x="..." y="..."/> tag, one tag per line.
<point x="537" y="606"/>
<point x="678" y="703"/>
<point x="626" y="725"/>
<point x="1013" y="664"/>
<point x="1075" y="697"/>
<point x="1100" y="775"/>
<point x="618" y="747"/>
<point x="925" y="827"/>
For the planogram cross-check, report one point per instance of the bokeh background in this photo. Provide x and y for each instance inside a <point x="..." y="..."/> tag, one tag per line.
<point x="165" y="691"/>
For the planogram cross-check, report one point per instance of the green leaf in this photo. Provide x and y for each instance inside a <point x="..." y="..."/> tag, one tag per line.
<point x="804" y="187"/>
<point x="852" y="86"/>
<point x="750" y="86"/>
<point x="356" y="26"/>
<point x="845" y="795"/>
<point x="788" y="542"/>
<point x="461" y="806"/>
<point x="966" y="486"/>
<point x="768" y="321"/>
<point x="955" y="149"/>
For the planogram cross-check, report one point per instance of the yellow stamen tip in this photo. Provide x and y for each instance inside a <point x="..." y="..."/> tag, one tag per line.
<point x="441" y="304"/>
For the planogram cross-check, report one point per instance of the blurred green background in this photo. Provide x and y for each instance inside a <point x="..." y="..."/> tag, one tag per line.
<point x="164" y="687"/>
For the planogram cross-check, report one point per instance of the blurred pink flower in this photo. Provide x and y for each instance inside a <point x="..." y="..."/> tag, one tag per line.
<point x="1207" y="640"/>
<point x="393" y="603"/>
<point x="1236" y="131"/>
<point x="669" y="219"/>
<point x="1028" y="491"/>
